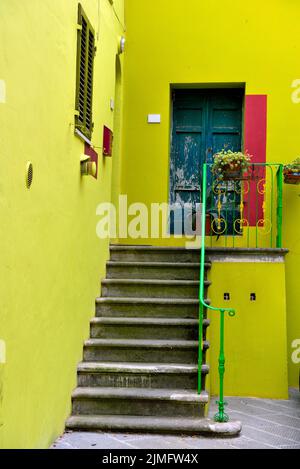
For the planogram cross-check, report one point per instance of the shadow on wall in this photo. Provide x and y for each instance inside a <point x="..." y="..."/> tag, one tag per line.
<point x="2" y="365"/>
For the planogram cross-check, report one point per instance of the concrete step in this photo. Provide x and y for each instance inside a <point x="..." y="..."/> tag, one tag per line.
<point x="145" y="328"/>
<point x="141" y="350"/>
<point x="141" y="375"/>
<point x="153" y="254"/>
<point x="144" y="288"/>
<point x="148" y="307"/>
<point x="152" y="424"/>
<point x="155" y="270"/>
<point x="138" y="401"/>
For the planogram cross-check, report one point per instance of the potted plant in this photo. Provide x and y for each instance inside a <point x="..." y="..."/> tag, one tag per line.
<point x="292" y="172"/>
<point x="229" y="165"/>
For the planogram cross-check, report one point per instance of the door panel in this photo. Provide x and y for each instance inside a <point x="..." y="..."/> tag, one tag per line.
<point x="189" y="146"/>
<point x="224" y="124"/>
<point x="204" y="122"/>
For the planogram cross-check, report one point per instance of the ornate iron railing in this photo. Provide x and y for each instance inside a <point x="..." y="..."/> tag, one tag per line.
<point x="243" y="212"/>
<point x="235" y="213"/>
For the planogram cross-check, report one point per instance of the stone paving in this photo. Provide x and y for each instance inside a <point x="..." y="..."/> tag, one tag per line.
<point x="266" y="423"/>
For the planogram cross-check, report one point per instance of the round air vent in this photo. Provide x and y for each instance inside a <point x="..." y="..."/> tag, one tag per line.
<point x="29" y="174"/>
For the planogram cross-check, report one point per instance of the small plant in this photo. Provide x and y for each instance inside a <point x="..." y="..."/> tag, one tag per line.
<point x="230" y="165"/>
<point x="291" y="172"/>
<point x="293" y="167"/>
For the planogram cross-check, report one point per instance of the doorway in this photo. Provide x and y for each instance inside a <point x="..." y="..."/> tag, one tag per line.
<point x="204" y="122"/>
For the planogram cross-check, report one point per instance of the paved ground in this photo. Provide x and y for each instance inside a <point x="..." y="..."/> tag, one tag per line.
<point x="266" y="424"/>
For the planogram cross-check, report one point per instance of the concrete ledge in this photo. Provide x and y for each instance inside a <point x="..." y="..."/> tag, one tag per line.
<point x="130" y="247"/>
<point x="213" y="254"/>
<point x="272" y="255"/>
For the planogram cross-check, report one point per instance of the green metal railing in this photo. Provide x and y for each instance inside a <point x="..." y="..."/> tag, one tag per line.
<point x="261" y="176"/>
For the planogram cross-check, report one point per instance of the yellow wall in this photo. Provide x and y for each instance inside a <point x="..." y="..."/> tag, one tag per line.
<point x="255" y="339"/>
<point x="209" y="42"/>
<point x="51" y="259"/>
<point x="291" y="238"/>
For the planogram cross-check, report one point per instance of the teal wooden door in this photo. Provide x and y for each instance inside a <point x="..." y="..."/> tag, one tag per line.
<point x="204" y="122"/>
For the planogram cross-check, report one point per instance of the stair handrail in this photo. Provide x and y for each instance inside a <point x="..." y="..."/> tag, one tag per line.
<point x="220" y="416"/>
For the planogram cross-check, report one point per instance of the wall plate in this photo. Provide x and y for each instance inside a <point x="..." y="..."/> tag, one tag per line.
<point x="154" y="118"/>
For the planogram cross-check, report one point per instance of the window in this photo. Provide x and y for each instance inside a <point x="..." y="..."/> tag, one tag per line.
<point x="85" y="70"/>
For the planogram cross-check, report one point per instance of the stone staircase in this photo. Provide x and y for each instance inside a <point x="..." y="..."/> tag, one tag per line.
<point x="139" y="369"/>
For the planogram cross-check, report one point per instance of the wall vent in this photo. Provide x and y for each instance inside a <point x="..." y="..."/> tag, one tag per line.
<point x="29" y="174"/>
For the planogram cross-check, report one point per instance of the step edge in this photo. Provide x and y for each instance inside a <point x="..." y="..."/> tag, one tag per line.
<point x="158" y="264"/>
<point x="142" y="281"/>
<point x="150" y="300"/>
<point x="139" y="368"/>
<point x="115" y="321"/>
<point x="160" y="394"/>
<point x="155" y="424"/>
<point x="146" y="343"/>
<point x="133" y="247"/>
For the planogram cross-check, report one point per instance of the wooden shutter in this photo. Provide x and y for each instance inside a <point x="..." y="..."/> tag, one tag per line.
<point x="85" y="71"/>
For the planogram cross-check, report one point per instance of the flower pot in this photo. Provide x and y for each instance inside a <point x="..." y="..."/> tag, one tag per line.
<point x="292" y="177"/>
<point x="232" y="174"/>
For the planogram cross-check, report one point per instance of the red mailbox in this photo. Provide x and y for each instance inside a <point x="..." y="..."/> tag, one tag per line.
<point x="107" y="141"/>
